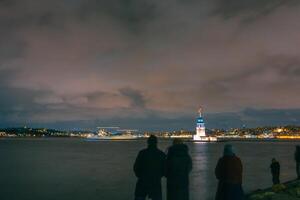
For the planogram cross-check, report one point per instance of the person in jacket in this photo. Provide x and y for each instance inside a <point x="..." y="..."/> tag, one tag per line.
<point x="297" y="159"/>
<point x="149" y="168"/>
<point x="179" y="165"/>
<point x="229" y="172"/>
<point x="275" y="171"/>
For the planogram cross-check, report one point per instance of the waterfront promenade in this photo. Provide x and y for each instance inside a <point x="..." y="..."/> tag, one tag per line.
<point x="287" y="191"/>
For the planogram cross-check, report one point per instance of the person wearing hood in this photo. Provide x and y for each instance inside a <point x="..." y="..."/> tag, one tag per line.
<point x="179" y="165"/>
<point x="229" y="174"/>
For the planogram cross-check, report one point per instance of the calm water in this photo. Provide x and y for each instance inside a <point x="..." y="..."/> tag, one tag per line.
<point x="63" y="169"/>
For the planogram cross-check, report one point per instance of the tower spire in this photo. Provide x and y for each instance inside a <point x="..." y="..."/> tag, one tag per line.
<point x="200" y="111"/>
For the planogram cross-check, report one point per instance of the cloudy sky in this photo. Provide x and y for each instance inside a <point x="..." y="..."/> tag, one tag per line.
<point x="149" y="64"/>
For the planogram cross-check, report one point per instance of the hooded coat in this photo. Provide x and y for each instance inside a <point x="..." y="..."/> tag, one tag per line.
<point x="229" y="173"/>
<point x="179" y="165"/>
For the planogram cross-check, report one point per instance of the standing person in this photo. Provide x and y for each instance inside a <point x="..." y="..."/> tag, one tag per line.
<point x="229" y="173"/>
<point x="179" y="165"/>
<point x="149" y="168"/>
<point x="297" y="159"/>
<point x="275" y="170"/>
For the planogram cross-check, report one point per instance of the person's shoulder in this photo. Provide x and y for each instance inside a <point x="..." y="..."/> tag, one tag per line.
<point x="183" y="147"/>
<point x="222" y="159"/>
<point x="179" y="148"/>
<point x="171" y="149"/>
<point x="232" y="158"/>
<point x="237" y="158"/>
<point x="160" y="152"/>
<point x="143" y="151"/>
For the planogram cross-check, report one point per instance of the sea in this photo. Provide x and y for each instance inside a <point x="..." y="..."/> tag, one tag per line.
<point x="78" y="169"/>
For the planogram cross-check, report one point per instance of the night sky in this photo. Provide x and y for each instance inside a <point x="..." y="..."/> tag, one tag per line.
<point x="149" y="64"/>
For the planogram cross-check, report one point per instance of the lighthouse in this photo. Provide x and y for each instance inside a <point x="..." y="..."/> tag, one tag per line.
<point x="200" y="130"/>
<point x="200" y="127"/>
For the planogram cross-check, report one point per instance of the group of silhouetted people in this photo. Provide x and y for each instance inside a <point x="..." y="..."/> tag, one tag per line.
<point x="152" y="164"/>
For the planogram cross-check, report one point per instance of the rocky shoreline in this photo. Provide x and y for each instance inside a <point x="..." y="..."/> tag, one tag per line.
<point x="285" y="191"/>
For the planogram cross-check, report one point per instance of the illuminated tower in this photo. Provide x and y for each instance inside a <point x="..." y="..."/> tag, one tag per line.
<point x="200" y="127"/>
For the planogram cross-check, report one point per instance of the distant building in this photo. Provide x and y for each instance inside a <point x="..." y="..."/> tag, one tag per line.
<point x="200" y="130"/>
<point x="200" y="126"/>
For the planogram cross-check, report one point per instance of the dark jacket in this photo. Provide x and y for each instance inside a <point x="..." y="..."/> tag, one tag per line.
<point x="179" y="165"/>
<point x="275" y="168"/>
<point x="229" y="169"/>
<point x="229" y="173"/>
<point x="149" y="168"/>
<point x="297" y="155"/>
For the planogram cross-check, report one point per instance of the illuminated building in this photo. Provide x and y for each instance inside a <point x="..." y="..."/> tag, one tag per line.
<point x="200" y="127"/>
<point x="200" y="130"/>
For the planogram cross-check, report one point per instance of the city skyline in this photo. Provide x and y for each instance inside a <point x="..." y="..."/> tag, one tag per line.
<point x="149" y="64"/>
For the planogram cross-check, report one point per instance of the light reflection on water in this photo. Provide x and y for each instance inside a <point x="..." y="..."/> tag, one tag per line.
<point x="32" y="169"/>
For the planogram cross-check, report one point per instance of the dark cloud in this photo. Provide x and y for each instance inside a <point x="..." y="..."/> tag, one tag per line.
<point x="271" y="117"/>
<point x="17" y="105"/>
<point x="231" y="8"/>
<point x="86" y="61"/>
<point x="136" y="97"/>
<point x="6" y="2"/>
<point x="10" y="49"/>
<point x="134" y="13"/>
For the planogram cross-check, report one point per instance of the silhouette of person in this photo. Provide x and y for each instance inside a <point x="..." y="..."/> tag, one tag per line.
<point x="297" y="159"/>
<point x="179" y="165"/>
<point x="275" y="170"/>
<point x="149" y="168"/>
<point x="229" y="173"/>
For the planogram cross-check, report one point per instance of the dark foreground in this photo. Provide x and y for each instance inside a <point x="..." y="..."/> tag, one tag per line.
<point x="286" y="191"/>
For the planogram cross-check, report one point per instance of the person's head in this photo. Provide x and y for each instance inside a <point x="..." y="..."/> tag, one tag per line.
<point x="228" y="150"/>
<point x="298" y="148"/>
<point x="273" y="160"/>
<point x="177" y="141"/>
<point x="152" y="141"/>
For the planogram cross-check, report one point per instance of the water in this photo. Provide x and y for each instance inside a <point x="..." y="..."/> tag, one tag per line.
<point x="63" y="169"/>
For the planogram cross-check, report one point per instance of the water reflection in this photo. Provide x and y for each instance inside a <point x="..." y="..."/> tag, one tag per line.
<point x="202" y="177"/>
<point x="75" y="169"/>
